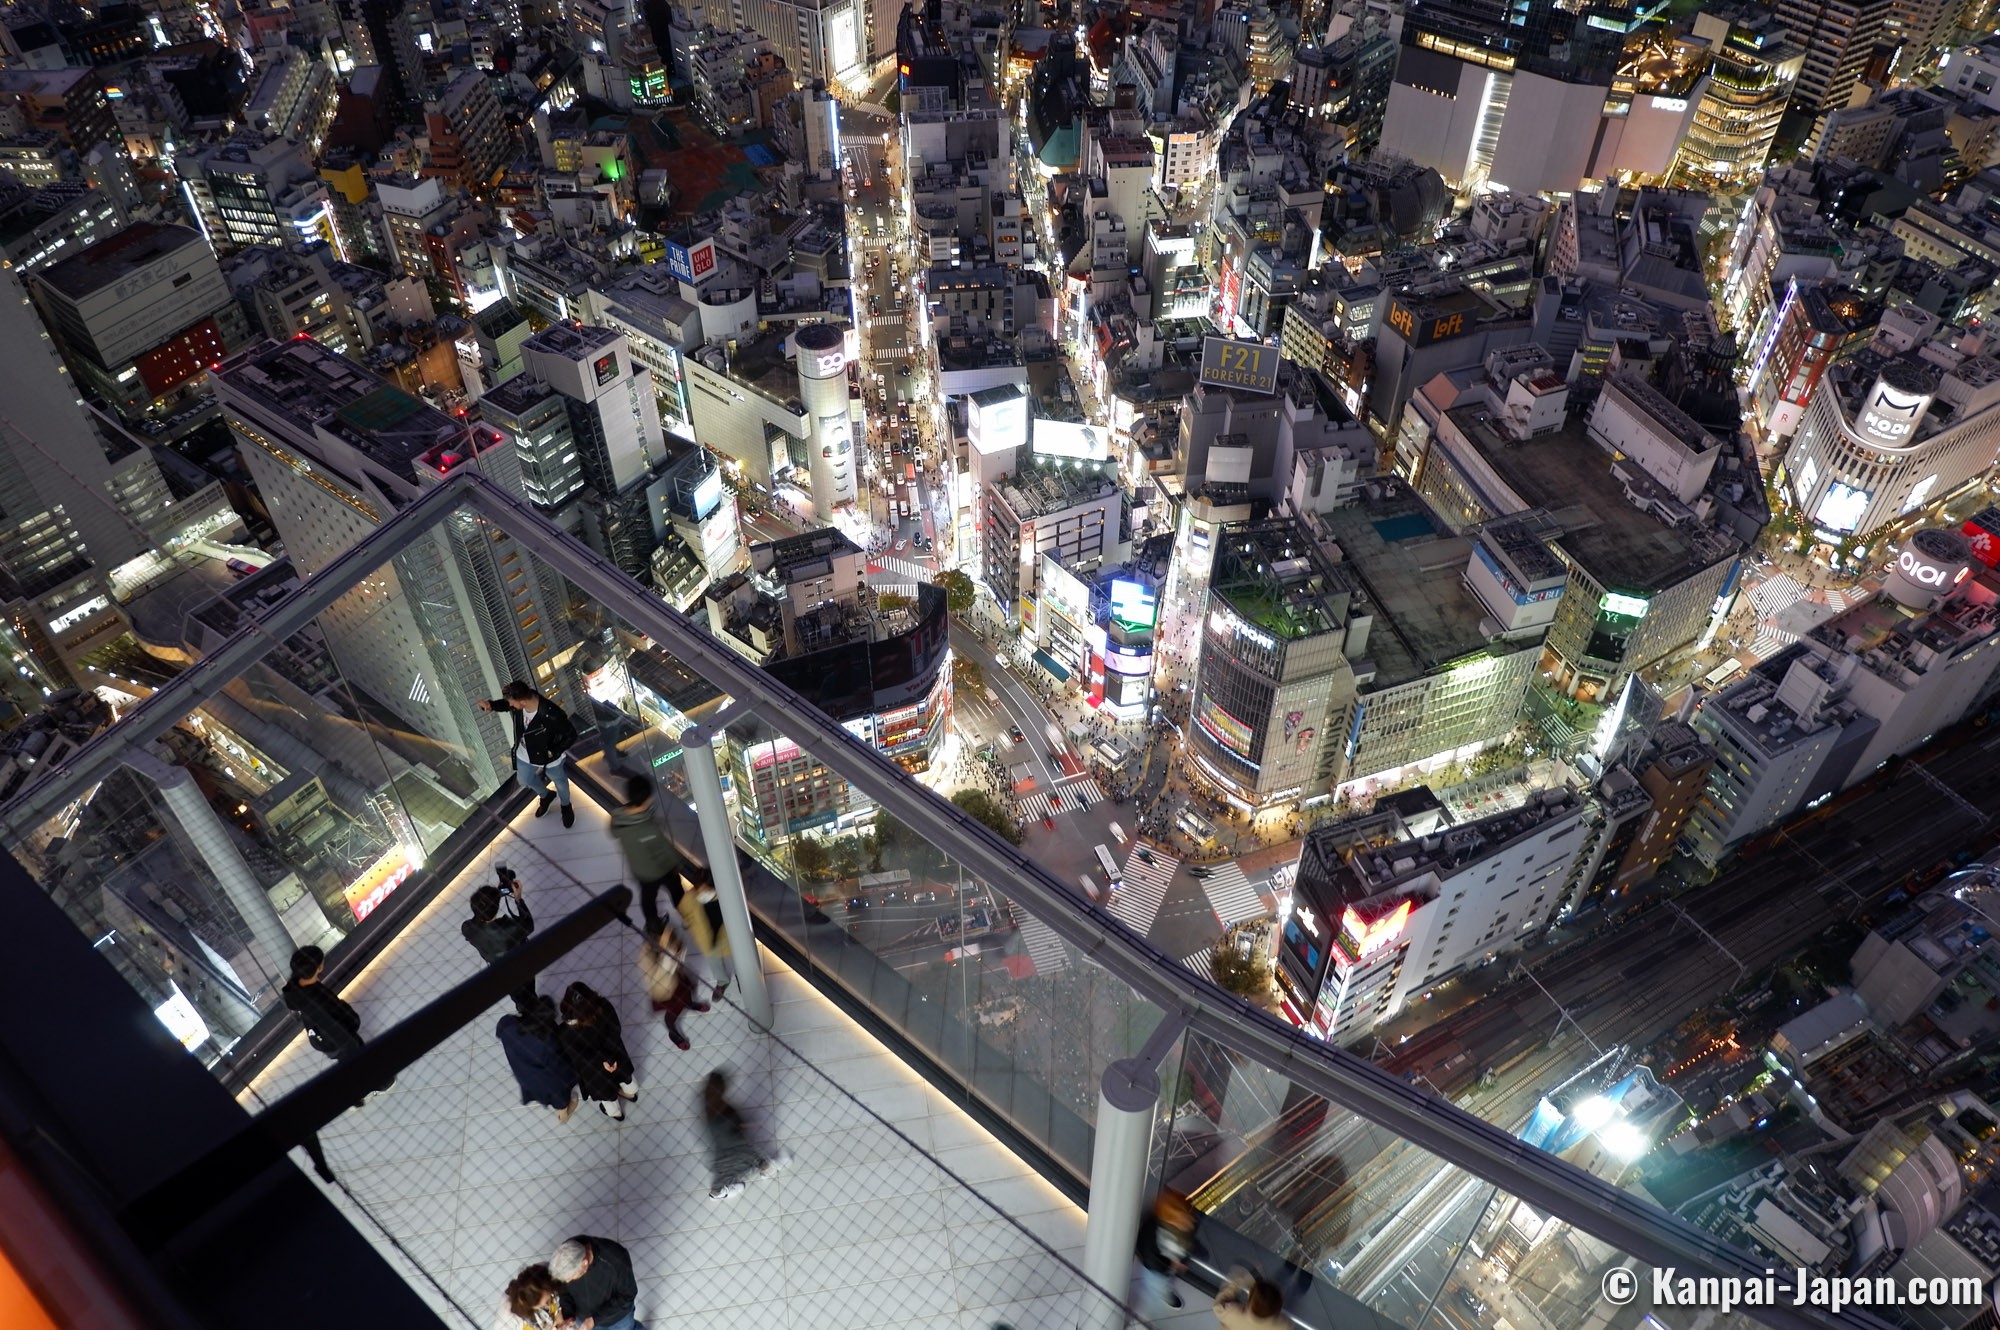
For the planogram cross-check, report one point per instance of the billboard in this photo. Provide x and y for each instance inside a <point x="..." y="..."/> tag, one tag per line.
<point x="1842" y="508"/>
<point x="1423" y="328"/>
<point x="1063" y="438"/>
<point x="1134" y="604"/>
<point x="1252" y="366"/>
<point x="691" y="263"/>
<point x="996" y="426"/>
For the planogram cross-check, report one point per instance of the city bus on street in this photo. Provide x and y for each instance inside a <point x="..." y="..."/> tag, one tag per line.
<point x="1112" y="879"/>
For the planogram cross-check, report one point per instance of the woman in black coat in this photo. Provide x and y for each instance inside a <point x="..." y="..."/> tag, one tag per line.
<point x="595" y="1046"/>
<point x="536" y="1057"/>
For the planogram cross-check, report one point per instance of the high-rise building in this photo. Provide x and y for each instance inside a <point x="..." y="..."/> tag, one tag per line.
<point x="1389" y="904"/>
<point x="584" y="424"/>
<point x="1646" y="570"/>
<point x="1887" y="435"/>
<point x="141" y="315"/>
<point x="1753" y="71"/>
<point x="1876" y="680"/>
<point x="1274" y="680"/>
<point x="830" y="455"/>
<point x="1839" y="38"/>
<point x="335" y="450"/>
<point x="253" y="190"/>
<point x="62" y="532"/>
<point x="1816" y="324"/>
<point x="469" y="138"/>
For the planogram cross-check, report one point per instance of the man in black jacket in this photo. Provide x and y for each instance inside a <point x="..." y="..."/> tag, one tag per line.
<point x="543" y="732"/>
<point x="332" y="1026"/>
<point x="598" y="1289"/>
<point x="501" y="922"/>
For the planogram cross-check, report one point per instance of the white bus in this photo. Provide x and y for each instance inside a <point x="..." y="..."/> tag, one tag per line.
<point x="1112" y="879"/>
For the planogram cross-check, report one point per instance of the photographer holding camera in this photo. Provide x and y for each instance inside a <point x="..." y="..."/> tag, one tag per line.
<point x="501" y="922"/>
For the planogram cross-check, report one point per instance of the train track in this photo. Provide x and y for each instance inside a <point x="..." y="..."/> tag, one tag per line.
<point x="1340" y="1190"/>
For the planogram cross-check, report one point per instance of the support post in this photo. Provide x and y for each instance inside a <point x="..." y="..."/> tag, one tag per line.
<point x="1128" y="1099"/>
<point x="189" y="807"/>
<point x="705" y="785"/>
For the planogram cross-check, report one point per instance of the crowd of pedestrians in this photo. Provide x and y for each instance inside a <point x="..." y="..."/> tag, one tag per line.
<point x="564" y="1051"/>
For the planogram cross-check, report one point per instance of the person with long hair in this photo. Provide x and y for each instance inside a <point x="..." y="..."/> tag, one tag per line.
<point x="530" y="1302"/>
<point x="594" y="1043"/>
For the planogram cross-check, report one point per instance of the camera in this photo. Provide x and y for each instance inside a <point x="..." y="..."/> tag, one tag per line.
<point x="506" y="876"/>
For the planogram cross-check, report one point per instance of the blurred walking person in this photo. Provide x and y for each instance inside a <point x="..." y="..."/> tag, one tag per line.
<point x="667" y="982"/>
<point x="734" y="1157"/>
<point x="500" y="922"/>
<point x="598" y="1289"/>
<point x="650" y="853"/>
<point x="594" y="1043"/>
<point x="1166" y="1240"/>
<point x="332" y="1026"/>
<point x="535" y="1056"/>
<point x="702" y="914"/>
<point x="543" y="733"/>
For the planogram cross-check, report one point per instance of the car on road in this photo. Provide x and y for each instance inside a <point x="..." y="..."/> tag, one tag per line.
<point x="1474" y="1305"/>
<point x="856" y="903"/>
<point x="1049" y="822"/>
<point x="902" y="371"/>
<point x="1198" y="871"/>
<point x="1014" y="735"/>
<point x="1145" y="855"/>
<point x="241" y="567"/>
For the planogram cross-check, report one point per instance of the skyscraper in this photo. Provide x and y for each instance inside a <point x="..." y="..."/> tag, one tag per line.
<point x="336" y="450"/>
<point x="1839" y="38"/>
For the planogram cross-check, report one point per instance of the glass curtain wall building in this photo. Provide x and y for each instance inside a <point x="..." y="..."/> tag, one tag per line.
<point x="269" y="799"/>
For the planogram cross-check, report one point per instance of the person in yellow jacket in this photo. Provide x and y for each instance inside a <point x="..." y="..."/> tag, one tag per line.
<point x="703" y="917"/>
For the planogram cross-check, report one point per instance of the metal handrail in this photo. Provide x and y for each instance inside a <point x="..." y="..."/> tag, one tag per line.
<point x="1488" y="1152"/>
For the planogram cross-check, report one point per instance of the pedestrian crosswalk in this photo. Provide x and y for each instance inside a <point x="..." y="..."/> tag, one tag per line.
<point x="1137" y="903"/>
<point x="1044" y="948"/>
<point x="1776" y="593"/>
<point x="1200" y="962"/>
<point x="899" y="571"/>
<point x="1231" y="895"/>
<point x="1075" y="794"/>
<point x="1770" y="641"/>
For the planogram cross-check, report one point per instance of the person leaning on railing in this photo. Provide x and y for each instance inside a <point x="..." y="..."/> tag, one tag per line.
<point x="1248" y="1301"/>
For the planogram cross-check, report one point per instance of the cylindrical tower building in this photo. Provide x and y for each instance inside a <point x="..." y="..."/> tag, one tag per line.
<point x="822" y="353"/>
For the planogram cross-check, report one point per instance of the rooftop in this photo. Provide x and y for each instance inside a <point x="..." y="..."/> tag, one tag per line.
<point x="302" y="380"/>
<point x="1273" y="575"/>
<point x="117" y="257"/>
<point x="1618" y="544"/>
<point x="1412" y="570"/>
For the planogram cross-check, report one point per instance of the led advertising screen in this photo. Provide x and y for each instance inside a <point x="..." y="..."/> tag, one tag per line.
<point x="1842" y="508"/>
<point x="996" y="426"/>
<point x="1134" y="604"/>
<point x="1231" y="364"/>
<point x="1225" y="729"/>
<point x="1063" y="438"/>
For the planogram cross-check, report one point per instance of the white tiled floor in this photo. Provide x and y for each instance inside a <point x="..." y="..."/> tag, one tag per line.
<point x="460" y="1186"/>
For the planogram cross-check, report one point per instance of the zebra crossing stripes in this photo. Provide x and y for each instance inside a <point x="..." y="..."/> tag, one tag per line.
<point x="1044" y="948"/>
<point x="1775" y="593"/>
<point x="1137" y="903"/>
<point x="1201" y="962"/>
<point x="1770" y="641"/>
<point x="899" y="570"/>
<point x="1076" y="794"/>
<point x="1231" y="896"/>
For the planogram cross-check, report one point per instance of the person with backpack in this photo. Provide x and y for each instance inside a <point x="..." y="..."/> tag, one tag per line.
<point x="543" y="733"/>
<point x="500" y="922"/>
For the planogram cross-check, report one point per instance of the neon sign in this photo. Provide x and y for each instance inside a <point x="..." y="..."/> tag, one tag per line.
<point x="368" y="891"/>
<point x="1361" y="939"/>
